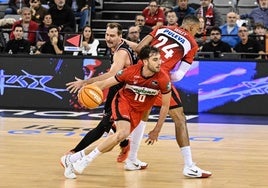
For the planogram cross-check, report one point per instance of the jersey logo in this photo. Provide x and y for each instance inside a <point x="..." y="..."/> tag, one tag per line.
<point x="142" y="90"/>
<point x="169" y="86"/>
<point x="154" y="83"/>
<point x="119" y="72"/>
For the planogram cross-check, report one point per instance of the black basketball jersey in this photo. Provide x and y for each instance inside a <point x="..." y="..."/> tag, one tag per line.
<point x="113" y="90"/>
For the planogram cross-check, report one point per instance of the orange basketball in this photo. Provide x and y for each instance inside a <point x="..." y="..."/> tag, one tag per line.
<point x="90" y="96"/>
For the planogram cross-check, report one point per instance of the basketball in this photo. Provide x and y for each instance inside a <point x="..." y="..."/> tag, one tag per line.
<point x="90" y="96"/>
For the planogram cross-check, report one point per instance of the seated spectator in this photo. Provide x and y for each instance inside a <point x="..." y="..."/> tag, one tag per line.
<point x="154" y="15"/>
<point x="259" y="35"/>
<point x="230" y="30"/>
<point x="80" y="9"/>
<point x="62" y="16"/>
<point x="183" y="9"/>
<point x="18" y="44"/>
<point x="216" y="45"/>
<point x="29" y="27"/>
<point x="54" y="45"/>
<point x="89" y="43"/>
<point x="201" y="35"/>
<point x="133" y="34"/>
<point x="247" y="45"/>
<point x="259" y="14"/>
<point x="38" y="11"/>
<point x="144" y="29"/>
<point x="211" y="14"/>
<point x="15" y="6"/>
<point x="171" y="18"/>
<point x="41" y="34"/>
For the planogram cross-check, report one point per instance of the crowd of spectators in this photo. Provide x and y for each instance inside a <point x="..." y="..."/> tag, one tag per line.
<point x="214" y="35"/>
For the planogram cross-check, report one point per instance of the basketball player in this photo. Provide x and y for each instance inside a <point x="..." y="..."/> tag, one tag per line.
<point x="142" y="84"/>
<point x="122" y="56"/>
<point x="176" y="45"/>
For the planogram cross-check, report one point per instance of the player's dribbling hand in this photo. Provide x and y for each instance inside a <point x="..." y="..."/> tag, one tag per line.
<point x="74" y="86"/>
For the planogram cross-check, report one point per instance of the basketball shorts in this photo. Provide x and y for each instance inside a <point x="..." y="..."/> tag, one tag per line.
<point x="175" y="101"/>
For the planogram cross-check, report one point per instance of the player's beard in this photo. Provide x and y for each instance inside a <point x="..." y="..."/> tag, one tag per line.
<point x="153" y="69"/>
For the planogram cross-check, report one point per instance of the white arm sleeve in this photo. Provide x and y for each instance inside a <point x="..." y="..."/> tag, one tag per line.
<point x="180" y="72"/>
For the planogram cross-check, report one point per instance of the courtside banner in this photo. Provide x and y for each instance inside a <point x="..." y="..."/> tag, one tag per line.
<point x="39" y="81"/>
<point x="225" y="87"/>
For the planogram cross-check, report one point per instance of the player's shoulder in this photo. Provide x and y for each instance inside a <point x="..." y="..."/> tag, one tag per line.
<point x="163" y="75"/>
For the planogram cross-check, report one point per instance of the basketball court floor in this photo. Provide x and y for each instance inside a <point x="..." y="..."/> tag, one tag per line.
<point x="233" y="147"/>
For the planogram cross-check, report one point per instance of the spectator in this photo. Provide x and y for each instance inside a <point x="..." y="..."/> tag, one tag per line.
<point x="230" y="30"/>
<point x="41" y="34"/>
<point x="89" y="43"/>
<point x="216" y="45"/>
<point x="80" y="9"/>
<point x="154" y="15"/>
<point x="182" y="9"/>
<point x="201" y="35"/>
<point x="144" y="29"/>
<point x="259" y="14"/>
<point x="247" y="45"/>
<point x="211" y="15"/>
<point x="133" y="34"/>
<point x="171" y="18"/>
<point x="15" y="6"/>
<point x="38" y="11"/>
<point x="29" y="27"/>
<point x="18" y="44"/>
<point x="62" y="16"/>
<point x="259" y="35"/>
<point x="54" y="45"/>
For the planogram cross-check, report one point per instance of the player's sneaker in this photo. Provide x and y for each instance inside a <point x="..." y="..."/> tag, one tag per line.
<point x="195" y="172"/>
<point x="80" y="165"/>
<point x="68" y="167"/>
<point x="124" y="153"/>
<point x="137" y="165"/>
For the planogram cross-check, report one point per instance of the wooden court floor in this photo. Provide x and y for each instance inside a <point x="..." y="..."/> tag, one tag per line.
<point x="30" y="149"/>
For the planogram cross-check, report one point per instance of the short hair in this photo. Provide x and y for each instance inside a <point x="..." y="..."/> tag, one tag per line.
<point x="147" y="50"/>
<point x="258" y="25"/>
<point x="116" y="25"/>
<point x="190" y="18"/>
<point x="23" y="9"/>
<point x="18" y="25"/>
<point x="52" y="27"/>
<point x="215" y="28"/>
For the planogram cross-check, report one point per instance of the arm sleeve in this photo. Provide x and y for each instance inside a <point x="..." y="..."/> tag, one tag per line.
<point x="180" y="72"/>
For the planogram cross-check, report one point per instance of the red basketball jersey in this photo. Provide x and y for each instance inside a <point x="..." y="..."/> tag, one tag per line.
<point x="140" y="92"/>
<point x="175" y="44"/>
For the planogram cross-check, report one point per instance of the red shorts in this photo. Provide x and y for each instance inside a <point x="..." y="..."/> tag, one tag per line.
<point x="121" y="110"/>
<point x="175" y="100"/>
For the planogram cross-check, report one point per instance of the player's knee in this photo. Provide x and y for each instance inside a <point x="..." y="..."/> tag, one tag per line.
<point x="121" y="135"/>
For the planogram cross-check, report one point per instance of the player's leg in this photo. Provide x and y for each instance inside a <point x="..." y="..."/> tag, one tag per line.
<point x="104" y="126"/>
<point x="122" y="132"/>
<point x="136" y="137"/>
<point x="78" y="152"/>
<point x="182" y="137"/>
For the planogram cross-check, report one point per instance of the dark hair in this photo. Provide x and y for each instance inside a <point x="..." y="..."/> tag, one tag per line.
<point x="91" y="39"/>
<point x="116" y="25"/>
<point x="147" y="50"/>
<point x="170" y="11"/>
<point x="51" y="27"/>
<point x="215" y="28"/>
<point x="258" y="24"/>
<point x="18" y="25"/>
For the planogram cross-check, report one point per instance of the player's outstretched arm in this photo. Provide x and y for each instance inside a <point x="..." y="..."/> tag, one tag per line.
<point x="153" y="135"/>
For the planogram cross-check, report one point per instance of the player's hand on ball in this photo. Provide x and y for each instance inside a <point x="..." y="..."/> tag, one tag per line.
<point x="74" y="86"/>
